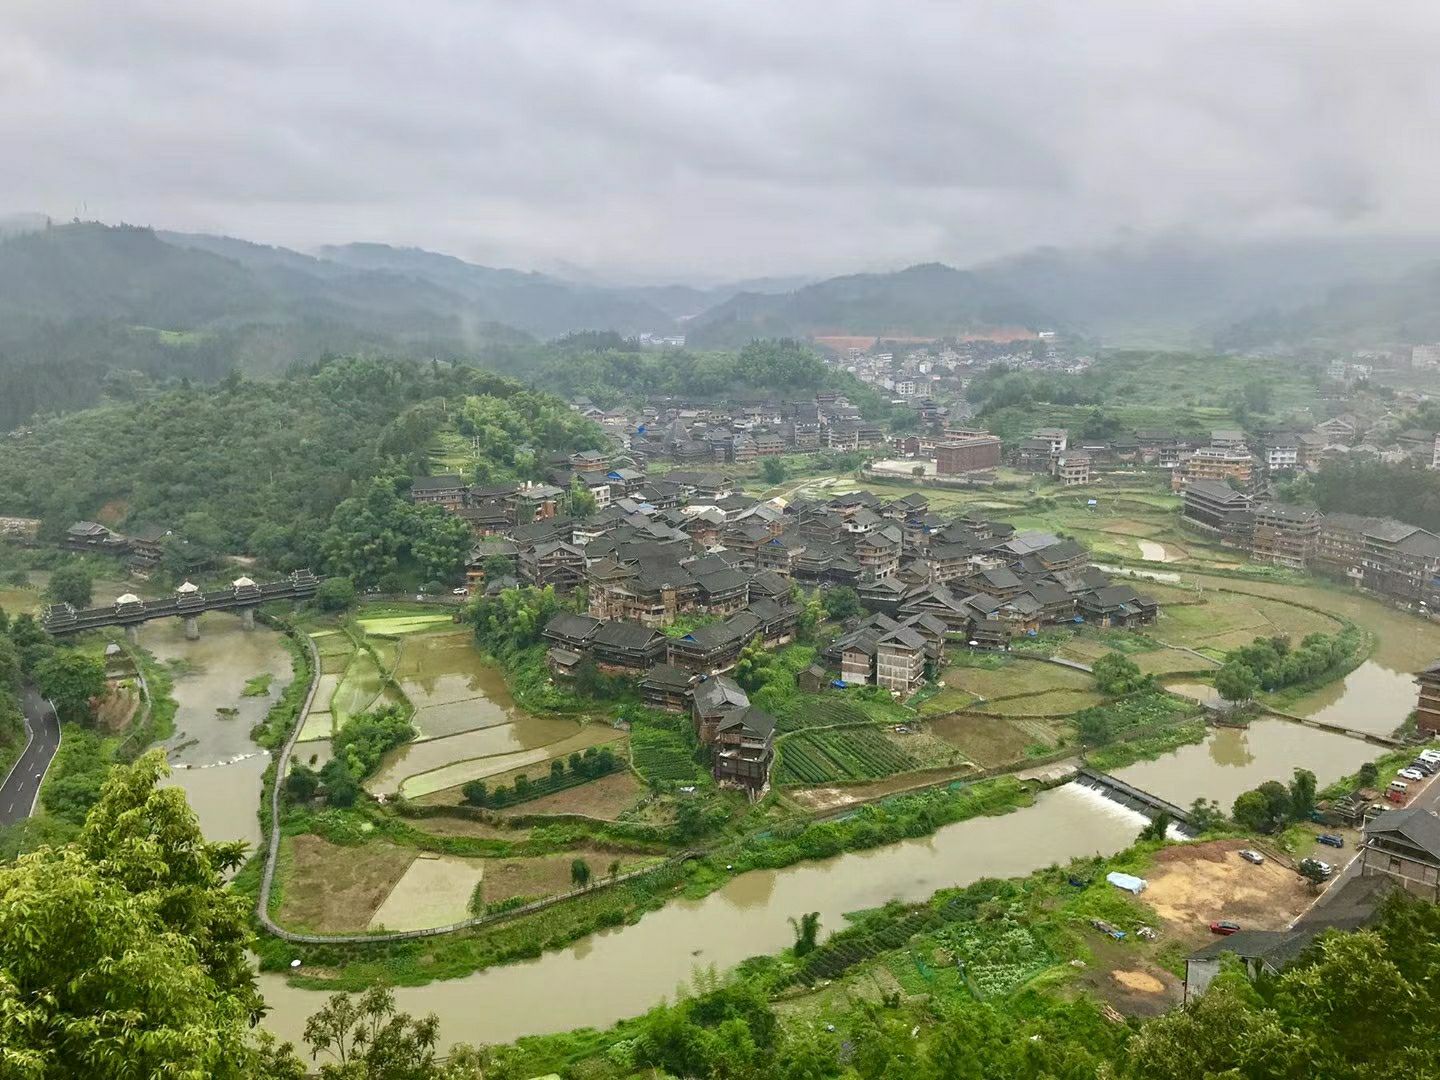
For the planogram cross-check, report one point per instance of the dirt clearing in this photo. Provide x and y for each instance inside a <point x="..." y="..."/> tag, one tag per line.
<point x="1193" y="885"/>
<point x="605" y="798"/>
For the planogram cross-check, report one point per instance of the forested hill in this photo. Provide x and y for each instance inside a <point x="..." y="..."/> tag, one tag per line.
<point x="261" y="466"/>
<point x="88" y="310"/>
<point x="1404" y="309"/>
<point x="928" y="300"/>
<point x="611" y="372"/>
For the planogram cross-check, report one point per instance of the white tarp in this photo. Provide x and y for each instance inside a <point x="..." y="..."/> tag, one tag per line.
<point x="1128" y="882"/>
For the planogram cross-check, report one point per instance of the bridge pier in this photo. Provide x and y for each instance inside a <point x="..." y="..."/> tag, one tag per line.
<point x="132" y="633"/>
<point x="247" y="618"/>
<point x="192" y="628"/>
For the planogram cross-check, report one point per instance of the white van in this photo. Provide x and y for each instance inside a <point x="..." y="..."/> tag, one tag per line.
<point x="1432" y="756"/>
<point x="1399" y="785"/>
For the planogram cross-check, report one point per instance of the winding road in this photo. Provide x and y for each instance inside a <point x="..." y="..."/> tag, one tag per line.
<point x="22" y="786"/>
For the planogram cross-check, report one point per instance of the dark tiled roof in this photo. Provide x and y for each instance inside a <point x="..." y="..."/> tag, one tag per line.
<point x="625" y="635"/>
<point x="751" y="720"/>
<point x="571" y="626"/>
<point x="718" y="694"/>
<point x="1419" y="827"/>
<point x="668" y="677"/>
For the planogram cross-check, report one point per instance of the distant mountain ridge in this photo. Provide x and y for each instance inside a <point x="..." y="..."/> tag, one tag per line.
<point x="929" y="299"/>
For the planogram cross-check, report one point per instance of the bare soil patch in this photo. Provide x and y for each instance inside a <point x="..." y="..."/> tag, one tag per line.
<point x="329" y="888"/>
<point x="1130" y="983"/>
<point x="607" y="798"/>
<point x="1192" y="885"/>
<point x="549" y="874"/>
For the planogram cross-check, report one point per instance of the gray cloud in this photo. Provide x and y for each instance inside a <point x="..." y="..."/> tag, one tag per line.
<point x="658" y="139"/>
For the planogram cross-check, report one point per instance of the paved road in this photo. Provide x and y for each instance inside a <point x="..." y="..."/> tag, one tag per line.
<point x="18" y="793"/>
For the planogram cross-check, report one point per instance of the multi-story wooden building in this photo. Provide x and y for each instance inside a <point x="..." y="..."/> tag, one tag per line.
<point x="743" y="749"/>
<point x="1215" y="463"/>
<point x="900" y="660"/>
<point x="967" y="455"/>
<point x="1284" y="535"/>
<point x="1427" y="709"/>
<point x="622" y="648"/>
<point x="1219" y="508"/>
<point x="448" y="490"/>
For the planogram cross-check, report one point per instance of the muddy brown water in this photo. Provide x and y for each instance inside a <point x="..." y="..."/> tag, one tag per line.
<point x="463" y="711"/>
<point x="1232" y="760"/>
<point x="1378" y="695"/>
<point x="211" y="754"/>
<point x="622" y="972"/>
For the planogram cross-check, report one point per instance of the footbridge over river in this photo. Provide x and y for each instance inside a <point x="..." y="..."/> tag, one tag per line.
<point x="188" y="603"/>
<point x="1152" y="806"/>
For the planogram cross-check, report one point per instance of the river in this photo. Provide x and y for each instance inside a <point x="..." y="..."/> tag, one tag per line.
<point x="211" y="753"/>
<point x="622" y="972"/>
<point x="618" y="973"/>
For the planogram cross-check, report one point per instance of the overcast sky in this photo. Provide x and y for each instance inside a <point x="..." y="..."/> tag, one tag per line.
<point x="697" y="139"/>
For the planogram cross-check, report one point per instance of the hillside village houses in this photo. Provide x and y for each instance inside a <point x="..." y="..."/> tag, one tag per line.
<point x="681" y="573"/>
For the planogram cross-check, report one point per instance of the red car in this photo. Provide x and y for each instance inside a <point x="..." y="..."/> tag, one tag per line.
<point x="1226" y="928"/>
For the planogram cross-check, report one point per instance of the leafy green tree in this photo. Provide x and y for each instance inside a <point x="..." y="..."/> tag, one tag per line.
<point x="341" y="786"/>
<point x="1368" y="775"/>
<point x="1266" y="809"/>
<point x="807" y="929"/>
<point x="582" y="502"/>
<point x="1205" y="814"/>
<point x="579" y="873"/>
<point x="71" y="679"/>
<point x="124" y="954"/>
<point x="71" y="584"/>
<point x="773" y="470"/>
<point x="335" y="594"/>
<point x="841" y="603"/>
<point x="690" y="822"/>
<point x="1236" y="682"/>
<point x="498" y="566"/>
<point x="1302" y="794"/>
<point x="1157" y="827"/>
<point x="1116" y="673"/>
<point x="366" y="1039"/>
<point x="475" y="792"/>
<point x="302" y="783"/>
<point x="9" y="665"/>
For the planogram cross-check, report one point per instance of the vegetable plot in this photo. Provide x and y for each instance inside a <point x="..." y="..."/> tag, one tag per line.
<point x="845" y="754"/>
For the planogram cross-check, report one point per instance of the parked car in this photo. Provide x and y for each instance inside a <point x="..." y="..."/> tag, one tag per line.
<point x="1325" y="868"/>
<point x="1411" y="774"/>
<point x="1400" y="786"/>
<point x="1330" y="840"/>
<point x="1224" y="927"/>
<point x="1422" y="766"/>
<point x="460" y="591"/>
<point x="1432" y="756"/>
<point x="1250" y="855"/>
<point x="1396" y="797"/>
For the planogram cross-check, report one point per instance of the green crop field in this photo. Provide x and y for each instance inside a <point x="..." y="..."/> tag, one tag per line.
<point x="662" y="755"/>
<point x="814" y="757"/>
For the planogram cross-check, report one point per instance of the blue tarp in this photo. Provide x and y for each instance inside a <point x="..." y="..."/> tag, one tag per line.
<point x="1129" y="882"/>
